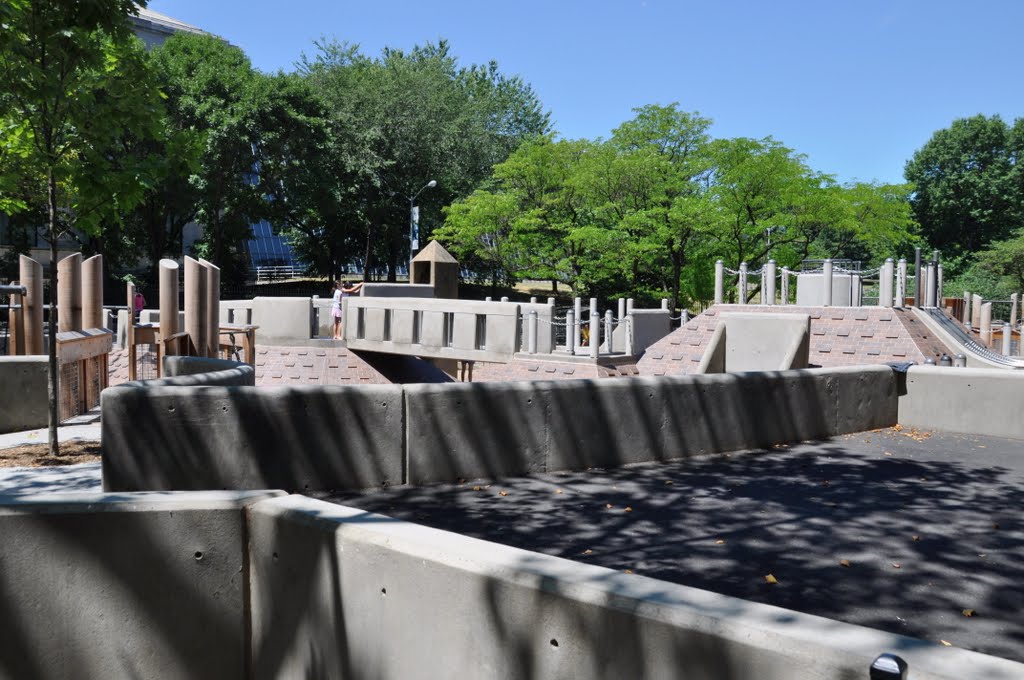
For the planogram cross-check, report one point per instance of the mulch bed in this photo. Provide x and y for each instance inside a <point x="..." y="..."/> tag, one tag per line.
<point x="38" y="455"/>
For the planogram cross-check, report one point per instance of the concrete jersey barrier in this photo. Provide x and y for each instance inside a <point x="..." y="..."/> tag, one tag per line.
<point x="161" y="436"/>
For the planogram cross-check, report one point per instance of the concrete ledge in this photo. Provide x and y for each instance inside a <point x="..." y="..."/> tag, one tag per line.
<point x="499" y="429"/>
<point x="969" y="400"/>
<point x="303" y="438"/>
<point x="339" y="592"/>
<point x="24" y="396"/>
<point x="181" y="366"/>
<point x="146" y="585"/>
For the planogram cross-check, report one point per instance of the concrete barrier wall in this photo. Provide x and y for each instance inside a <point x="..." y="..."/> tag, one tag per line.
<point x="295" y="438"/>
<point x="649" y="326"/>
<point x="970" y="400"/>
<point x="351" y="437"/>
<point x="23" y="393"/>
<point x="144" y="586"/>
<point x="339" y="592"/>
<point x="282" y="320"/>
<point x="466" y="430"/>
<point x="239" y="373"/>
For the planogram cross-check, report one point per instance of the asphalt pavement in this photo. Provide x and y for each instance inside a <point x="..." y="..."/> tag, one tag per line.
<point x="914" y="533"/>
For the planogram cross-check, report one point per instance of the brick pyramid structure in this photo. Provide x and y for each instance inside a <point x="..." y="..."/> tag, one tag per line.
<point x="840" y="336"/>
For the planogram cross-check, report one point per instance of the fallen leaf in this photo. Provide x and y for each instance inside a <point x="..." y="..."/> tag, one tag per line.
<point x="558" y="491"/>
<point x="668" y="483"/>
<point x="720" y="541"/>
<point x="888" y="453"/>
<point x="587" y="551"/>
<point x="844" y="563"/>
<point x="982" y="446"/>
<point x="948" y="644"/>
<point x="897" y="565"/>
<point x="982" y="554"/>
<point x="608" y="505"/>
<point x="476" y="488"/>
<point x="629" y="509"/>
<point x="628" y="571"/>
<point x="503" y="493"/>
<point x="968" y="612"/>
<point x="771" y="579"/>
<point x="915" y="538"/>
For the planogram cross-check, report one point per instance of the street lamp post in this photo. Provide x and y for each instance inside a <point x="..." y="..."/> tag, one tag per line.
<point x="414" y="218"/>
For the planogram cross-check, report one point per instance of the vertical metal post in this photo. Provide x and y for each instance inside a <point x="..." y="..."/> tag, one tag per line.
<point x="917" y="277"/>
<point x="570" y="324"/>
<point x="885" y="284"/>
<point x="719" y="281"/>
<point x="576" y="335"/>
<point x="531" y="332"/>
<point x="769" y="282"/>
<point x="622" y="309"/>
<point x="826" y="269"/>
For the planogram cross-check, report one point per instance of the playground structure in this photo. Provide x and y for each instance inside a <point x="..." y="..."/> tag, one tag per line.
<point x="83" y="344"/>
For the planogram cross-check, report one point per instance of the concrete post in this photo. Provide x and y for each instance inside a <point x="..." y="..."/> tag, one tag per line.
<point x="629" y="306"/>
<point x="769" y="282"/>
<point x="16" y="323"/>
<point x="827" y="282"/>
<point x="533" y="300"/>
<point x="531" y="332"/>
<point x="609" y="327"/>
<point x="743" y="284"/>
<point x="719" y="281"/>
<point x="901" y="283"/>
<point x="576" y="334"/>
<point x="664" y="304"/>
<point x="212" y="308"/>
<point x="917" y="277"/>
<point x="488" y="299"/>
<point x="30" y="273"/>
<point x="856" y="290"/>
<point x="976" y="311"/>
<point x="622" y="309"/>
<point x="595" y="328"/>
<point x="966" y="316"/>
<point x="1007" y="337"/>
<point x="630" y="345"/>
<point x="986" y="324"/>
<point x="504" y="298"/>
<point x="938" y="284"/>
<point x="69" y="293"/>
<point x="785" y="285"/>
<point x="930" y="290"/>
<point x="885" y="284"/>
<point x="570" y="324"/>
<point x="551" y="301"/>
<point x="1013" y="310"/>
<point x="92" y="293"/>
<point x="169" y="304"/>
<point x="195" y="307"/>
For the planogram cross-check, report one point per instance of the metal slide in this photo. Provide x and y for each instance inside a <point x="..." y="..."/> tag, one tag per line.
<point x="959" y="340"/>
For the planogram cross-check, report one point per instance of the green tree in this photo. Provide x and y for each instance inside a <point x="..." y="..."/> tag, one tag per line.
<point x="73" y="83"/>
<point x="421" y="117"/>
<point x="967" y="184"/>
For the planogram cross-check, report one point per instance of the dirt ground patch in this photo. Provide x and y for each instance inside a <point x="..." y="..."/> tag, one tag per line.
<point x="38" y="455"/>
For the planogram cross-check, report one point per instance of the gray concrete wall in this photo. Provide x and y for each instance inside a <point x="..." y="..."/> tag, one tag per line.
<point x="305" y="438"/>
<point x="466" y="430"/>
<point x="649" y="326"/>
<point x="970" y="400"/>
<point x="238" y="372"/>
<point x="282" y="320"/>
<point x="160" y="436"/>
<point x="402" y="290"/>
<point x="810" y="290"/>
<point x="126" y="586"/>
<point x="23" y="393"/>
<point x="338" y="592"/>
<point x="758" y="342"/>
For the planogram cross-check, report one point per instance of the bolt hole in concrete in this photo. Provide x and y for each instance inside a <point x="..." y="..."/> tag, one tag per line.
<point x="170" y="409"/>
<point x="275" y="557"/>
<point x="383" y="591"/>
<point x="198" y="555"/>
<point x="529" y="401"/>
<point x="554" y="642"/>
<point x="224" y="409"/>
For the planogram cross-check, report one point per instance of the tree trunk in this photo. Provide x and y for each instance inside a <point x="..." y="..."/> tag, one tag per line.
<point x="51" y="205"/>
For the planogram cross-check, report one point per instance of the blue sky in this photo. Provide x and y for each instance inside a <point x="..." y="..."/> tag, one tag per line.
<point x="856" y="86"/>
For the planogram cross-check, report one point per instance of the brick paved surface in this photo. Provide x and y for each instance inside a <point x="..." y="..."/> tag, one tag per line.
<point x="840" y="336"/>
